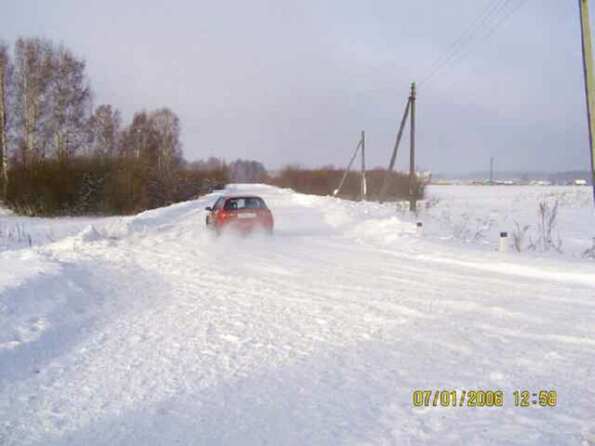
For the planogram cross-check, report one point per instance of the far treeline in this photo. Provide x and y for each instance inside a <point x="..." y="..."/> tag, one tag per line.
<point x="60" y="155"/>
<point x="325" y="180"/>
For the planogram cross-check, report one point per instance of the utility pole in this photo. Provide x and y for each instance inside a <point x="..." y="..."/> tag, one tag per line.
<point x="364" y="185"/>
<point x="412" y="189"/>
<point x="492" y="170"/>
<point x="588" y="74"/>
<point x="3" y="124"/>
<point x="359" y="145"/>
<point x="393" y="158"/>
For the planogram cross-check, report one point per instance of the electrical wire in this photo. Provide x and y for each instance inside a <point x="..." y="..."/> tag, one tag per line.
<point x="504" y="18"/>
<point x="482" y="28"/>
<point x="491" y="31"/>
<point x="486" y="14"/>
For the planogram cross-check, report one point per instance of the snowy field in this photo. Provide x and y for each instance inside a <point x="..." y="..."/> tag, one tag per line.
<point x="146" y="330"/>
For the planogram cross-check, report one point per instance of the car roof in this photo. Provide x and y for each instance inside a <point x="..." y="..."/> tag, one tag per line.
<point x="240" y="196"/>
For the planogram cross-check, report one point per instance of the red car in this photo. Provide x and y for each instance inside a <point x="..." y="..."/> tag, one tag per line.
<point x="244" y="213"/>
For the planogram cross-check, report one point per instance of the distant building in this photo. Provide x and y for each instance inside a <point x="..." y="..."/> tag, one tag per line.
<point x="541" y="183"/>
<point x="580" y="182"/>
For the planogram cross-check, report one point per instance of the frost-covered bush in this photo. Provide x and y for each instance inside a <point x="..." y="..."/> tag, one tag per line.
<point x="15" y="235"/>
<point x="590" y="253"/>
<point x="547" y="237"/>
<point x="470" y="228"/>
<point x="519" y="235"/>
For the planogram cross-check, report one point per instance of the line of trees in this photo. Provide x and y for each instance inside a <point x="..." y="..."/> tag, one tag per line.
<point x="59" y="155"/>
<point x="324" y="181"/>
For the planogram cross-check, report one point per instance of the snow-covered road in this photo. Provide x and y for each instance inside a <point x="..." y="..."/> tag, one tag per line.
<point x="148" y="331"/>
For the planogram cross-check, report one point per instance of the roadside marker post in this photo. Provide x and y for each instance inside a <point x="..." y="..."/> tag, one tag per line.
<point x="504" y="242"/>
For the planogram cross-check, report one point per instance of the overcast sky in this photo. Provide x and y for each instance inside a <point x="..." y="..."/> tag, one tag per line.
<point x="296" y="81"/>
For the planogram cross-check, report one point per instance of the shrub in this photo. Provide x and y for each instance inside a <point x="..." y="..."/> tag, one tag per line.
<point x="98" y="185"/>
<point x="519" y="235"/>
<point x="546" y="223"/>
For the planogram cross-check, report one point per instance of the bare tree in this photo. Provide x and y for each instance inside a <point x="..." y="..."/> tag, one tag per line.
<point x="104" y="131"/>
<point x="137" y="137"/>
<point x="70" y="102"/>
<point x="152" y="143"/>
<point x="166" y="127"/>
<point x="4" y="69"/>
<point x="245" y="171"/>
<point x="154" y="138"/>
<point x="33" y="65"/>
<point x="211" y="163"/>
<point x="52" y="100"/>
<point x="166" y="155"/>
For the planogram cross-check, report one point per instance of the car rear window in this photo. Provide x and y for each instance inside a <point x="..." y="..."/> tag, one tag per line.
<point x="244" y="203"/>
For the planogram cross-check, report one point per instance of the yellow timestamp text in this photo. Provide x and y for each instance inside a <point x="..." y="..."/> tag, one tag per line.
<point x="483" y="398"/>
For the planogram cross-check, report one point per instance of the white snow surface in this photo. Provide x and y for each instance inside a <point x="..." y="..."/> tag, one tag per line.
<point x="148" y="330"/>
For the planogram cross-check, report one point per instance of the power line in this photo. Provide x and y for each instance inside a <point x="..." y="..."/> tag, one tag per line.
<point x="464" y="42"/>
<point x="465" y="36"/>
<point x="491" y="31"/>
<point x="504" y="18"/>
<point x="482" y="28"/>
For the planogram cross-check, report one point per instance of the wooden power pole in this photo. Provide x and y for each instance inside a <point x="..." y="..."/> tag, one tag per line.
<point x="588" y="73"/>
<point x="360" y="144"/>
<point x="3" y="124"/>
<point x="364" y="185"/>
<point x="393" y="158"/>
<point x="412" y="188"/>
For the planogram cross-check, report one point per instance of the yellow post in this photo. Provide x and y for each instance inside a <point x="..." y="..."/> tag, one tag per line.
<point x="588" y="72"/>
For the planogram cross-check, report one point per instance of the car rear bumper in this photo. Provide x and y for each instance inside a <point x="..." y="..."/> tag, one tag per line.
<point x="247" y="225"/>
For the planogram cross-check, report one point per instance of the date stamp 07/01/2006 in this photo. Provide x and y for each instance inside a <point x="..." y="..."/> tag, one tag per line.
<point x="484" y="398"/>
